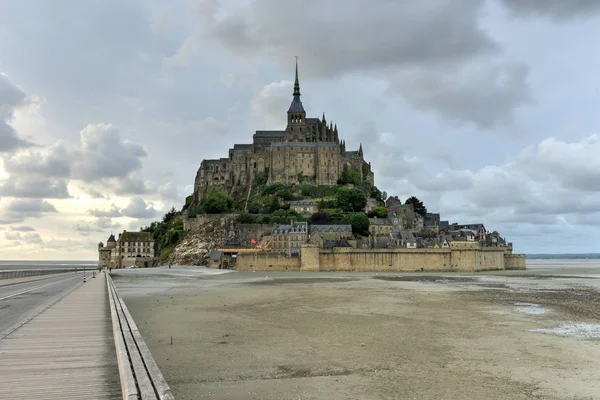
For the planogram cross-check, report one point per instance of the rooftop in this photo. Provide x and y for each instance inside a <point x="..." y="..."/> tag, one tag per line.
<point x="135" y="237"/>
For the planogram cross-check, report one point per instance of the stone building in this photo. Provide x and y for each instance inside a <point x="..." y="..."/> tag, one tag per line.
<point x="131" y="248"/>
<point x="105" y="253"/>
<point x="305" y="207"/>
<point x="380" y="226"/>
<point x="332" y="232"/>
<point x="308" y="150"/>
<point x="287" y="239"/>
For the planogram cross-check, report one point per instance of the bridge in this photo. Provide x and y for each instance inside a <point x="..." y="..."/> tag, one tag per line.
<point x="82" y="344"/>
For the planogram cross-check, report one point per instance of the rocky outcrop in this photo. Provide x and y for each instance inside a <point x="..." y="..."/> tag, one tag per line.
<point x="214" y="231"/>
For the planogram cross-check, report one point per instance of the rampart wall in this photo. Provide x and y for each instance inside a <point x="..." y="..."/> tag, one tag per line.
<point x="266" y="262"/>
<point x="515" y="261"/>
<point x="460" y="257"/>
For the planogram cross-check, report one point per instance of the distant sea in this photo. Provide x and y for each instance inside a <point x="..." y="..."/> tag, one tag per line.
<point x="8" y="264"/>
<point x="566" y="256"/>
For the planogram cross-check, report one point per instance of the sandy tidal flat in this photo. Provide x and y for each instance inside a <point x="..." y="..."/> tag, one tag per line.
<point x="533" y="335"/>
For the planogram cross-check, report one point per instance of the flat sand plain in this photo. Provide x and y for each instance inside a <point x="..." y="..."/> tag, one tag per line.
<point x="345" y="336"/>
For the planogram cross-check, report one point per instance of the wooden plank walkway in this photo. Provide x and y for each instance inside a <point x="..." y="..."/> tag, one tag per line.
<point x="67" y="352"/>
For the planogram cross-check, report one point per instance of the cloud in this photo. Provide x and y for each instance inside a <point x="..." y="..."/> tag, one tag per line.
<point x="22" y="228"/>
<point x="267" y="104"/>
<point x="484" y="93"/>
<point x="103" y="156"/>
<point x="20" y="209"/>
<point x="557" y="10"/>
<point x="138" y="208"/>
<point x="51" y="162"/>
<point x="11" y="97"/>
<point x="85" y="228"/>
<point x="552" y="182"/>
<point x="27" y="237"/>
<point x="112" y="212"/>
<point x="34" y="187"/>
<point x="434" y="54"/>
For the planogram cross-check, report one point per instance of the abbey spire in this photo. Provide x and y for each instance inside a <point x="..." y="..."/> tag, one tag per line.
<point x="296" y="106"/>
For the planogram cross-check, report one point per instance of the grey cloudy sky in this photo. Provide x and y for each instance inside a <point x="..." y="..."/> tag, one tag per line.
<point x="485" y="109"/>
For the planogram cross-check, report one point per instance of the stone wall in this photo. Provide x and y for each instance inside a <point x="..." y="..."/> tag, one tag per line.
<point x="140" y="262"/>
<point x="266" y="262"/>
<point x="515" y="261"/>
<point x="461" y="257"/>
<point x="345" y="259"/>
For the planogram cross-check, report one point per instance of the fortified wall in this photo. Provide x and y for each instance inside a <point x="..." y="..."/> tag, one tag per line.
<point x="462" y="256"/>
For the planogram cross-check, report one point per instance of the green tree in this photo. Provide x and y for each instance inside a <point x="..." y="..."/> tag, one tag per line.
<point x="350" y="199"/>
<point x="216" y="202"/>
<point x="170" y="215"/>
<point x="254" y="206"/>
<point x="359" y="222"/>
<point x="246" y="218"/>
<point x="379" y="212"/>
<point x="417" y="204"/>
<point x="320" y="218"/>
<point x="274" y="206"/>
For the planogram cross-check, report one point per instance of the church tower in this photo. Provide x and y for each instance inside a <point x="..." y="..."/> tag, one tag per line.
<point x="296" y="130"/>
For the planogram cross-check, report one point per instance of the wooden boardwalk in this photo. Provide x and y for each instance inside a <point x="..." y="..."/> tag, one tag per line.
<point x="66" y="352"/>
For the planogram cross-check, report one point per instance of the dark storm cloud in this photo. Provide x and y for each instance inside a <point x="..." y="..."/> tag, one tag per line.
<point x="434" y="54"/>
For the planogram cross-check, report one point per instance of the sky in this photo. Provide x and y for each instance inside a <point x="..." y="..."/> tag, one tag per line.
<point x="487" y="110"/>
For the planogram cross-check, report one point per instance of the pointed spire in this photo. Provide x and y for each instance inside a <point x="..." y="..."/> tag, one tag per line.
<point x="296" y="106"/>
<point x="335" y="128"/>
<point x="360" y="150"/>
<point x="296" y="82"/>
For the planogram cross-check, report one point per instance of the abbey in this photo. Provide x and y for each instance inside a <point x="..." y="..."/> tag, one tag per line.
<point x="309" y="150"/>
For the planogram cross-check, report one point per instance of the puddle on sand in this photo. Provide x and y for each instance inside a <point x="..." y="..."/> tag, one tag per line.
<point x="579" y="330"/>
<point x="531" y="309"/>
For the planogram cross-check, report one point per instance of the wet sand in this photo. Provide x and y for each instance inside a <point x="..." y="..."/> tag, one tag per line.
<point x="372" y="336"/>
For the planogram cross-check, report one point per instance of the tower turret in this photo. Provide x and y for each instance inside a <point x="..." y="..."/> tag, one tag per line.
<point x="335" y="134"/>
<point x="360" y="150"/>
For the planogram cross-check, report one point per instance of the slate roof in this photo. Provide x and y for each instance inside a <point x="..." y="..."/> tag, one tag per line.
<point x="111" y="238"/>
<point x="215" y="255"/>
<point x="474" y="227"/>
<point x="269" y="134"/>
<point x="296" y="227"/>
<point x="135" y="237"/>
<point x="335" y="228"/>
<point x="407" y="237"/>
<point x="296" y="106"/>
<point x="304" y="203"/>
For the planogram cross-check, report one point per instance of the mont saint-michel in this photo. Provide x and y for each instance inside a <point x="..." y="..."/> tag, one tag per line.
<point x="298" y="199"/>
<point x="308" y="150"/>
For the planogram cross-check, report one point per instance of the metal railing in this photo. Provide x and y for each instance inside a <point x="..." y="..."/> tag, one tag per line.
<point x="22" y="273"/>
<point x="140" y="376"/>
